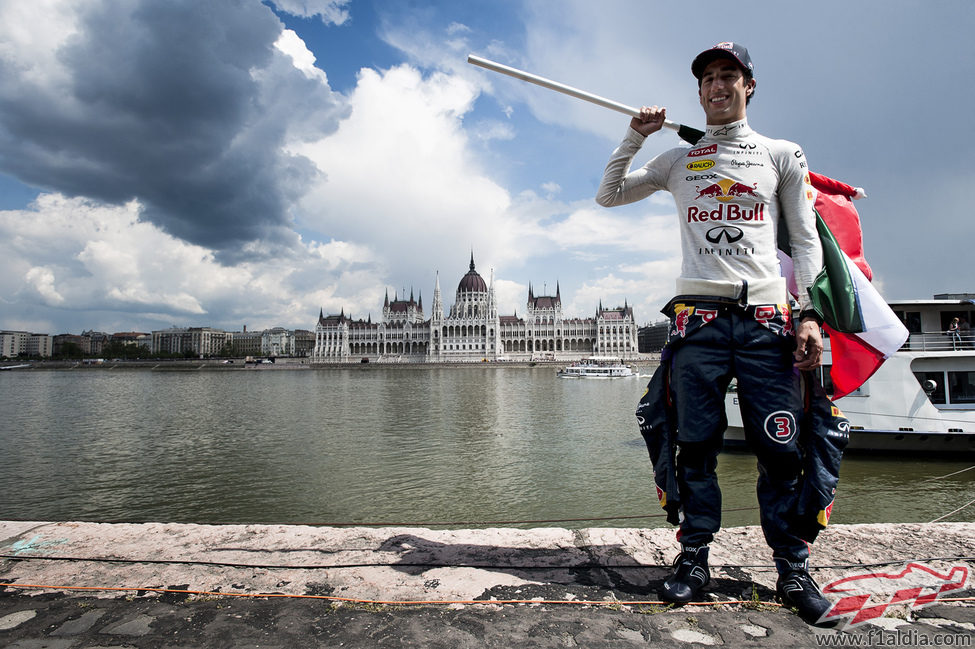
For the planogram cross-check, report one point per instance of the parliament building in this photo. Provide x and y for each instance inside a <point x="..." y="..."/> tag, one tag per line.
<point x="473" y="330"/>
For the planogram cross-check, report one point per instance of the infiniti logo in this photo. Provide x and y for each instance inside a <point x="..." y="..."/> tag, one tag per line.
<point x="729" y="233"/>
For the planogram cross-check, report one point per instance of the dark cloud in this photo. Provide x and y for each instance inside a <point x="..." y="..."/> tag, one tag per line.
<point x="184" y="105"/>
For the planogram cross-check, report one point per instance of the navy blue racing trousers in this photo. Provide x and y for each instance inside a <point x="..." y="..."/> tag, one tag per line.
<point x="735" y="345"/>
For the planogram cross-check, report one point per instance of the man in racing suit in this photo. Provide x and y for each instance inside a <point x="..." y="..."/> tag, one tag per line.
<point x="731" y="317"/>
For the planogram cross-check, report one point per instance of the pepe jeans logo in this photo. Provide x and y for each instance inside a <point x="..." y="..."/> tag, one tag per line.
<point x="867" y="596"/>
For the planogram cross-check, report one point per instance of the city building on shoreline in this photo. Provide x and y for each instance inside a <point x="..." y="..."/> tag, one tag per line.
<point x="207" y="342"/>
<point x="473" y="330"/>
<point x="24" y="343"/>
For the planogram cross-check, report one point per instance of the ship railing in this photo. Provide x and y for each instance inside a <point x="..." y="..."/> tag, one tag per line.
<point x="938" y="341"/>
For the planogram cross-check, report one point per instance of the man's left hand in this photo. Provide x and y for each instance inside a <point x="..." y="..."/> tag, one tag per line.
<point x="809" y="345"/>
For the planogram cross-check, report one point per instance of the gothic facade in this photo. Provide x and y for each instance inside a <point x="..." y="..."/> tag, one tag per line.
<point x="473" y="330"/>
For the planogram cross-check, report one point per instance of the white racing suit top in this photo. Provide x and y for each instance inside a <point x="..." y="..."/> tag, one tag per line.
<point x="733" y="189"/>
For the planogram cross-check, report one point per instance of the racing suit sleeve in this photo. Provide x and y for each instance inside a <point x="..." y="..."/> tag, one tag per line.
<point x="621" y="186"/>
<point x="796" y="197"/>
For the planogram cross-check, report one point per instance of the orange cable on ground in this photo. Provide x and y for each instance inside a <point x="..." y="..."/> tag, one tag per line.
<point x="352" y="600"/>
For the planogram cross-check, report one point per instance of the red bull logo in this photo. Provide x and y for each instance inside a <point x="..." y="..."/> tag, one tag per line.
<point x="707" y="314"/>
<point x="729" y="212"/>
<point x="724" y="190"/>
<point x="711" y="191"/>
<point x="681" y="318"/>
<point x="787" y="323"/>
<point x="823" y="517"/>
<point x="661" y="496"/>
<point x="867" y="596"/>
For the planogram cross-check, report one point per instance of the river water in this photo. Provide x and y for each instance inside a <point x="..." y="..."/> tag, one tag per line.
<point x="469" y="447"/>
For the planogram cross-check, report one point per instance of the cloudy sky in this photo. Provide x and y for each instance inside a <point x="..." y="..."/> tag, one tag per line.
<point x="237" y="162"/>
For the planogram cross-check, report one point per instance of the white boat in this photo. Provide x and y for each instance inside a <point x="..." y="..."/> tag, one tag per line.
<point x="597" y="367"/>
<point x="921" y="400"/>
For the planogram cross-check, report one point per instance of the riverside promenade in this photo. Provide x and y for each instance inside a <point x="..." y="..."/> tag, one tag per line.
<point x="86" y="585"/>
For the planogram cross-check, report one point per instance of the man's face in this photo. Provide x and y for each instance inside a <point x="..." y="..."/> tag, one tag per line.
<point x="723" y="91"/>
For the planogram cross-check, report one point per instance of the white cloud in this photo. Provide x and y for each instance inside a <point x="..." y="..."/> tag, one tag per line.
<point x="512" y="297"/>
<point x="330" y="11"/>
<point x="79" y="255"/>
<point x="291" y="44"/>
<point x="400" y="180"/>
<point x="492" y="130"/>
<point x="31" y="33"/>
<point x="551" y="188"/>
<point x="41" y="279"/>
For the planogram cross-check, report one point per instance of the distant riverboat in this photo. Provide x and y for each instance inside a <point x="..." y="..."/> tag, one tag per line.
<point x="597" y="367"/>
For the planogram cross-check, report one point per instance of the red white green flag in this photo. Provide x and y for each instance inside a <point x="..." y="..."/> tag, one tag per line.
<point x="862" y="328"/>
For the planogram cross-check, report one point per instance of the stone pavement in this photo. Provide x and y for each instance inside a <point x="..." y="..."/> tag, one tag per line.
<point x="350" y="572"/>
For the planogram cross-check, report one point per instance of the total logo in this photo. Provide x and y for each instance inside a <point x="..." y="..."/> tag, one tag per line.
<point x="708" y="150"/>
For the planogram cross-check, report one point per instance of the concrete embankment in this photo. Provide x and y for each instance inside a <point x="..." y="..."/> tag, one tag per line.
<point x="422" y="587"/>
<point x="646" y="364"/>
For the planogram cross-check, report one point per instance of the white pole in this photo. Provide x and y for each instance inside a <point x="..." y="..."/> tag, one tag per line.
<point x="561" y="87"/>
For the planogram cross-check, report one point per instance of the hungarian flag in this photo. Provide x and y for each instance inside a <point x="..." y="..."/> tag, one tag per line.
<point x="862" y="329"/>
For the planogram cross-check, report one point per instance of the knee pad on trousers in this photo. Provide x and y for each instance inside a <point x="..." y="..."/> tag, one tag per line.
<point x="702" y="456"/>
<point x="780" y="468"/>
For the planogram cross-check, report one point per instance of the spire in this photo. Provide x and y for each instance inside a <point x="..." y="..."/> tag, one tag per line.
<point x="472" y="260"/>
<point x="386" y="303"/>
<point x="558" y="292"/>
<point x="437" y="311"/>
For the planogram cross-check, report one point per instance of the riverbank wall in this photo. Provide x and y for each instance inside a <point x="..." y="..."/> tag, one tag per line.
<point x="648" y="362"/>
<point x="570" y="585"/>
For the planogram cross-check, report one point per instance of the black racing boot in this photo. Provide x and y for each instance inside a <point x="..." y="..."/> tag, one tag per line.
<point x="797" y="589"/>
<point x="690" y="575"/>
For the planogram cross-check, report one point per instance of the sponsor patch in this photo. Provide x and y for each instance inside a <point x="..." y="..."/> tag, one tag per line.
<point x="700" y="165"/>
<point x="708" y="150"/>
<point x="726" y="212"/>
<point x="780" y="426"/>
<point x="707" y="314"/>
<point x="682" y="316"/>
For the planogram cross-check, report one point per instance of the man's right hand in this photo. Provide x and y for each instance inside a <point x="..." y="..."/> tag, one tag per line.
<point x="651" y="120"/>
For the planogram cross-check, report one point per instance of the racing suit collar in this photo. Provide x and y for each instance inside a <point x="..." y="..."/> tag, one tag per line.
<point x="728" y="131"/>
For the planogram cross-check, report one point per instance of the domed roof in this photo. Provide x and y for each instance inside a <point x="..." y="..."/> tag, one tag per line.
<point x="472" y="282"/>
